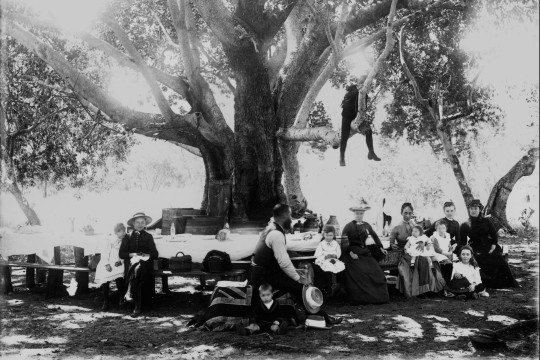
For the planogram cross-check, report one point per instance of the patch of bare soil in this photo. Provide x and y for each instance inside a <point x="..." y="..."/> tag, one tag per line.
<point x="434" y="327"/>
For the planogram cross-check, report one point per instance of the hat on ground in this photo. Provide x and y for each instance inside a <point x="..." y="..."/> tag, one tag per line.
<point x="313" y="299"/>
<point x="458" y="286"/>
<point x="362" y="206"/>
<point x="475" y="203"/>
<point x="148" y="219"/>
<point x="316" y="322"/>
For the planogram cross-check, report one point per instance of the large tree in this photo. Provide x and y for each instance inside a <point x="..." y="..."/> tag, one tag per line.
<point x="274" y="56"/>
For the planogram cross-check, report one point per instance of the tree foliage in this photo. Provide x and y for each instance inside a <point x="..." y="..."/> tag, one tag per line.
<point x="434" y="55"/>
<point x="52" y="137"/>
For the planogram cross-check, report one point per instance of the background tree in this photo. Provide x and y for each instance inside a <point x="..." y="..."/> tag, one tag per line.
<point x="274" y="56"/>
<point x="49" y="135"/>
<point x="436" y="100"/>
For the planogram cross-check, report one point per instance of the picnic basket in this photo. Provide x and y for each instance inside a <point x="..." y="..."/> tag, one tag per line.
<point x="216" y="264"/>
<point x="180" y="263"/>
<point x="392" y="258"/>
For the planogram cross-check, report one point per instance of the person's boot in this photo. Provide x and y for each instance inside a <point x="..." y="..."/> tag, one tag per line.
<point x="105" y="306"/>
<point x="330" y="320"/>
<point x="372" y="156"/>
<point x="129" y="296"/>
<point x="138" y="302"/>
<point x="120" y="288"/>
<point x="341" y="159"/>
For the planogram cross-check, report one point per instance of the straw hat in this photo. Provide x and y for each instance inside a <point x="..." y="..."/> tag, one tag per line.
<point x="148" y="219"/>
<point x="312" y="298"/>
<point x="362" y="206"/>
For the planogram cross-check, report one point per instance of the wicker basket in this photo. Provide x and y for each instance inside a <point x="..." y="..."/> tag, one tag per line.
<point x="392" y="258"/>
<point x="215" y="264"/>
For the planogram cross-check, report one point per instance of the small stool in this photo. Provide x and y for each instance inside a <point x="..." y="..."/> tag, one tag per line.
<point x="391" y="279"/>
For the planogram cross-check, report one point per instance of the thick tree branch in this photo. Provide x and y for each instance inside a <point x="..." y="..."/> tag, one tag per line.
<point x="212" y="61"/>
<point x="191" y="123"/>
<point x="175" y="83"/>
<point x="364" y="16"/>
<point x="265" y="23"/>
<point x="162" y="103"/>
<point x="323" y="133"/>
<point x="331" y="64"/>
<point x="360" y="117"/>
<point x="417" y="93"/>
<point x="220" y="20"/>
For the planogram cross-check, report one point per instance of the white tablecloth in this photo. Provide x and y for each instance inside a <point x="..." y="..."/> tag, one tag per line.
<point x="238" y="247"/>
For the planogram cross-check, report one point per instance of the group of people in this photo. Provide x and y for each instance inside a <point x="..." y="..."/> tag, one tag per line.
<point x="127" y="260"/>
<point x="456" y="260"/>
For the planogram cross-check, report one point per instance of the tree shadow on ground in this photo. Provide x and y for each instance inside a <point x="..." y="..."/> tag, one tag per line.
<point x="431" y="327"/>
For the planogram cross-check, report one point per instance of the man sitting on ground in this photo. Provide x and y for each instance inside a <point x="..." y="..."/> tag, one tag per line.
<point x="271" y="263"/>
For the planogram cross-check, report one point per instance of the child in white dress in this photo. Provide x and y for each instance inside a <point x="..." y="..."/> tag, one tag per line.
<point x="466" y="281"/>
<point x="419" y="244"/>
<point x="441" y="243"/>
<point x="328" y="252"/>
<point x="110" y="266"/>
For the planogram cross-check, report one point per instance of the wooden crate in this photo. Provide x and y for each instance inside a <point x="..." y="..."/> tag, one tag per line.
<point x="174" y="214"/>
<point x="247" y="227"/>
<point x="204" y="225"/>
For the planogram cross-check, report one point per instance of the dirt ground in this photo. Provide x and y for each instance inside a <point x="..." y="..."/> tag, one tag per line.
<point x="74" y="327"/>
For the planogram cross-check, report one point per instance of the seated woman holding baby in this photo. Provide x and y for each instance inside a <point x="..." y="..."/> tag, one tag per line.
<point x="419" y="270"/>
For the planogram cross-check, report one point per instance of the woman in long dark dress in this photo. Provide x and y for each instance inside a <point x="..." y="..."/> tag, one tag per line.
<point x="364" y="279"/>
<point x="482" y="237"/>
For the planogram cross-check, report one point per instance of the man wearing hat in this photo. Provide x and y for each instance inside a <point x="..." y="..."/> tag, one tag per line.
<point x="271" y="264"/>
<point x="139" y="248"/>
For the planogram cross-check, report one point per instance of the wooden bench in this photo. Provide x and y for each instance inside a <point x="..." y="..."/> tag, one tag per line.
<point x="54" y="280"/>
<point x="235" y="275"/>
<point x="55" y="285"/>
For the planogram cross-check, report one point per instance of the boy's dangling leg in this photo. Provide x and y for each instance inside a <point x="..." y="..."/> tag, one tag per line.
<point x="369" y="143"/>
<point x="345" y="132"/>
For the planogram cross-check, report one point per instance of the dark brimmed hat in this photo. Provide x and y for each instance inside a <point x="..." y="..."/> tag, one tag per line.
<point x="458" y="286"/>
<point x="475" y="203"/>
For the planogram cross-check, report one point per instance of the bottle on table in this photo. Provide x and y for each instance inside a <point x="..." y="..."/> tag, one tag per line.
<point x="173" y="229"/>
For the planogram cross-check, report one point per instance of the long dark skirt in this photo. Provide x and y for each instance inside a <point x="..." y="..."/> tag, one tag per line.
<point x="420" y="279"/>
<point x="494" y="271"/>
<point x="364" y="279"/>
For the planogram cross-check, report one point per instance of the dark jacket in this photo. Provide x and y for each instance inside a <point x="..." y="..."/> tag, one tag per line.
<point x="138" y="242"/>
<point x="265" y="317"/>
<point x="482" y="234"/>
<point x="358" y="233"/>
<point x="263" y="255"/>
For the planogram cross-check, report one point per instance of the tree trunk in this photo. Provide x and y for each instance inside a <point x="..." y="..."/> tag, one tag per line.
<point x="496" y="204"/>
<point x="30" y="214"/>
<point x="257" y="165"/>
<point x="446" y="140"/>
<point x="295" y="197"/>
